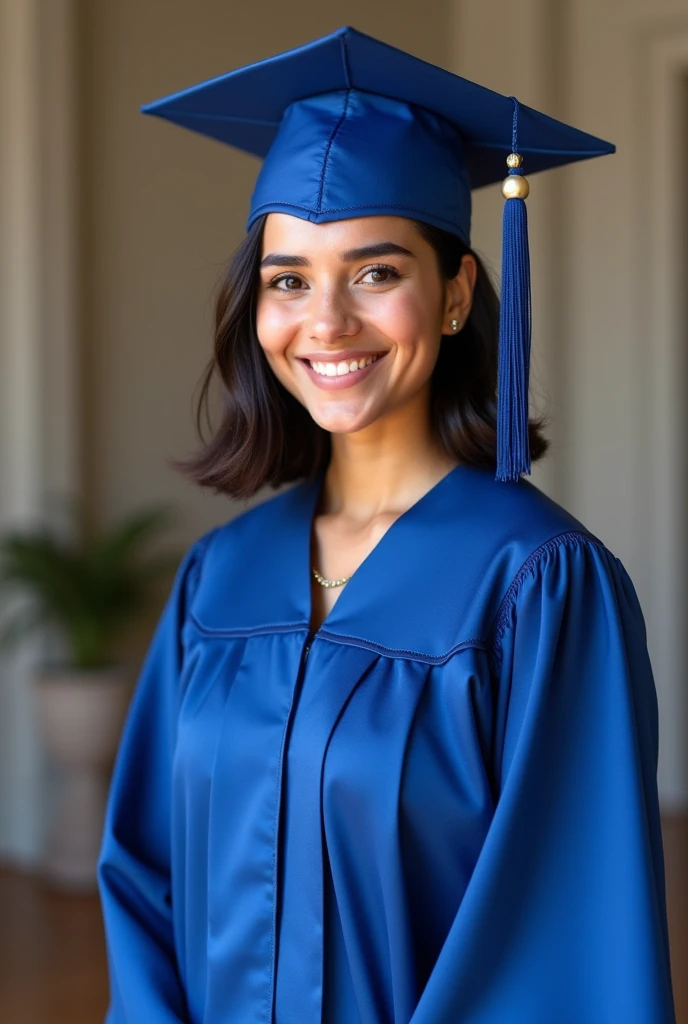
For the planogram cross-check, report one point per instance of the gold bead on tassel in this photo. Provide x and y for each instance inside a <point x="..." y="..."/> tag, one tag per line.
<point x="515" y="186"/>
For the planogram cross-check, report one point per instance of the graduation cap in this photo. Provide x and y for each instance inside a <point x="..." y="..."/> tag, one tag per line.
<point x="349" y="126"/>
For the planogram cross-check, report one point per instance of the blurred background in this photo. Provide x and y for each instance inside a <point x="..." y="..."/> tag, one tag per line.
<point x="114" y="229"/>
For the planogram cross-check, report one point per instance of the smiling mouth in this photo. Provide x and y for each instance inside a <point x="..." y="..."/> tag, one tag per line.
<point x="342" y="367"/>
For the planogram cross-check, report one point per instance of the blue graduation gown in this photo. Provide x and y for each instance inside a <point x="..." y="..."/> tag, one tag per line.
<point x="441" y="808"/>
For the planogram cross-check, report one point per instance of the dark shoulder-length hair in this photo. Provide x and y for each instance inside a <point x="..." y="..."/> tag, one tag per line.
<point x="265" y="435"/>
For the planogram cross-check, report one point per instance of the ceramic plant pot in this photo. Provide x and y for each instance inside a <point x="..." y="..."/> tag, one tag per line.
<point x="80" y="715"/>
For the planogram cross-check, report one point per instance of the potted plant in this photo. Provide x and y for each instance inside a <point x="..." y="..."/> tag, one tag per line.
<point x="87" y="592"/>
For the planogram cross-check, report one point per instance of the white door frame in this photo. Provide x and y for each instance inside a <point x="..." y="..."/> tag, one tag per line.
<point x="39" y="380"/>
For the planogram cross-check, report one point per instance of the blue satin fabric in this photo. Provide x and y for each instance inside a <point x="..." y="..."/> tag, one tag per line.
<point x="350" y="153"/>
<point x="350" y="126"/>
<point x="439" y="809"/>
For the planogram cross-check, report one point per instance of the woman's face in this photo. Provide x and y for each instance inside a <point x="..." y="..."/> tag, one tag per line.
<point x="366" y="290"/>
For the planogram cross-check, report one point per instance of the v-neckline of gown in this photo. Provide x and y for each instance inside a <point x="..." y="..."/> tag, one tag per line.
<point x="314" y="490"/>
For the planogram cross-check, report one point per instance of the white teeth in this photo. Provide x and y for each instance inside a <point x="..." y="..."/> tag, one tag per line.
<point x="339" y="369"/>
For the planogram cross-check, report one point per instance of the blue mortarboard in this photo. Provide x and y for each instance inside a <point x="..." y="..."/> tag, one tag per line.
<point x="349" y="126"/>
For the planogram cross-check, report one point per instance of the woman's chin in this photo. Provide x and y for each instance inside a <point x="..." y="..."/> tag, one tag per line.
<point x="338" y="422"/>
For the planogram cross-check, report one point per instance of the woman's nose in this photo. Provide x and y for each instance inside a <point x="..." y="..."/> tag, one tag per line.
<point x="331" y="317"/>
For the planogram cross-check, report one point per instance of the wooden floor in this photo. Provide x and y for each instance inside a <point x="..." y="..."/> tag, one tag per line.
<point x="52" y="956"/>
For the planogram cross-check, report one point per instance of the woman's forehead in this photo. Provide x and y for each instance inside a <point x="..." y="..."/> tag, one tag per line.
<point x="286" y="233"/>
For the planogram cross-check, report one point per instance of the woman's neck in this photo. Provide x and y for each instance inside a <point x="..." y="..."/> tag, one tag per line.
<point x="384" y="469"/>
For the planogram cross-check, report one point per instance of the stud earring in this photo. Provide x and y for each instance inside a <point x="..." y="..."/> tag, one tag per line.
<point x="454" y="324"/>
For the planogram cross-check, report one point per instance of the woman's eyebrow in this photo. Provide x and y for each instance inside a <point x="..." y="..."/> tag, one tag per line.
<point x="378" y="249"/>
<point x="279" y="259"/>
<point x="365" y="252"/>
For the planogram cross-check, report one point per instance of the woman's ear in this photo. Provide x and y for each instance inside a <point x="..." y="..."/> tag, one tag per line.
<point x="459" y="296"/>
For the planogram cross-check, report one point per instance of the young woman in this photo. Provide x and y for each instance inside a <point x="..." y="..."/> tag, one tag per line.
<point x="392" y="756"/>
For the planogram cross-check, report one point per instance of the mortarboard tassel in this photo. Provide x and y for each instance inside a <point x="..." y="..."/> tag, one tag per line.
<point x="513" y="450"/>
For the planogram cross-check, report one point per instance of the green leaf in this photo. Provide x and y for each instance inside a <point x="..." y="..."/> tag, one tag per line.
<point x="89" y="591"/>
<point x="116" y="549"/>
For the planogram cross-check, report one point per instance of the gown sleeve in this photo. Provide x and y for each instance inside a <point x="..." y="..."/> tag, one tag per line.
<point x="564" y="918"/>
<point x="134" y="865"/>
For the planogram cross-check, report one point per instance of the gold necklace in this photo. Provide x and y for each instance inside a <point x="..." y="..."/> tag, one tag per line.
<point x="329" y="583"/>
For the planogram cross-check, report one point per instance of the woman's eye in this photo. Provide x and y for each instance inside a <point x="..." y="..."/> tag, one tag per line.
<point x="286" y="283"/>
<point x="380" y="275"/>
<point x="374" y="275"/>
